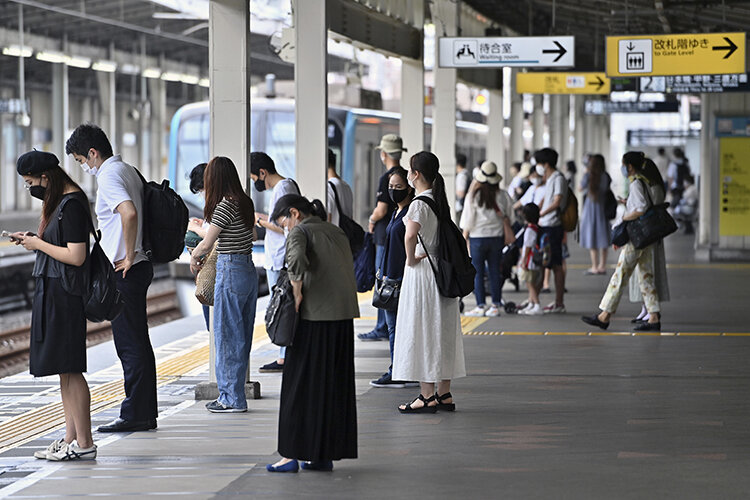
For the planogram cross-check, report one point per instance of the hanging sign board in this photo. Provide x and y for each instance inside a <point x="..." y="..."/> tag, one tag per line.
<point x="596" y="107"/>
<point x="695" y="84"/>
<point x="495" y="52"/>
<point x="562" y="83"/>
<point x="676" y="54"/>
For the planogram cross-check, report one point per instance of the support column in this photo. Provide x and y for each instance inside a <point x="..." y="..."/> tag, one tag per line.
<point x="538" y="122"/>
<point x="516" y="126"/>
<point x="589" y="133"/>
<point x="604" y="128"/>
<point x="578" y="123"/>
<point x="144" y="120"/>
<point x="708" y="179"/>
<point x="60" y="119"/>
<point x="444" y="111"/>
<point x="553" y="120"/>
<point x="411" y="127"/>
<point x="229" y="70"/>
<point x="495" y="136"/>
<point x="107" y="104"/>
<point x="565" y="149"/>
<point x="311" y="102"/>
<point x="158" y="131"/>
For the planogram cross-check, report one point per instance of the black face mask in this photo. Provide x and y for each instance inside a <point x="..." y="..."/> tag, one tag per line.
<point x="260" y="185"/>
<point x="37" y="192"/>
<point x="398" y="195"/>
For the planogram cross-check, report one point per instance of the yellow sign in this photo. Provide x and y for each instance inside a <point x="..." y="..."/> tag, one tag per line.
<point x="562" y="83"/>
<point x="685" y="54"/>
<point x="734" y="194"/>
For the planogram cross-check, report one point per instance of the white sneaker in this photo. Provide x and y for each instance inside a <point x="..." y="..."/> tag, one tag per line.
<point x="534" y="310"/>
<point x="492" y="311"/>
<point x="72" y="451"/>
<point x="523" y="305"/>
<point x="477" y="311"/>
<point x="553" y="308"/>
<point x="52" y="448"/>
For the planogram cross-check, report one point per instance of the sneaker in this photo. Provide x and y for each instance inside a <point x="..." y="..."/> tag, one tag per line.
<point x="72" y="451"/>
<point x="492" y="311"/>
<point x="477" y="311"/>
<point x="52" y="448"/>
<point x="216" y="407"/>
<point x="386" y="381"/>
<point x="523" y="305"/>
<point x="534" y="310"/>
<point x="372" y="336"/>
<point x="553" y="308"/>
<point x="272" y="367"/>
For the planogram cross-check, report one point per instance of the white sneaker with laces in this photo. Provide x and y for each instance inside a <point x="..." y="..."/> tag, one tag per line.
<point x="52" y="448"/>
<point x="477" y="311"/>
<point x="492" y="311"/>
<point x="72" y="451"/>
<point x="534" y="310"/>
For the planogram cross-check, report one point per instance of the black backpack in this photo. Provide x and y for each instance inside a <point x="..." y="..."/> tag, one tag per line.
<point x="353" y="231"/>
<point x="452" y="265"/>
<point x="165" y="220"/>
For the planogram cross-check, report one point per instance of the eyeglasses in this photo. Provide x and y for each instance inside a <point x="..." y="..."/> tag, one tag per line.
<point x="27" y="185"/>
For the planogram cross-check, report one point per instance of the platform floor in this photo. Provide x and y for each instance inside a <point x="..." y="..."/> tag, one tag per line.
<point x="563" y="415"/>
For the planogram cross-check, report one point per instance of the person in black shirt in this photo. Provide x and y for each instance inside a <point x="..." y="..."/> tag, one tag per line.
<point x="391" y="147"/>
<point x="58" y="321"/>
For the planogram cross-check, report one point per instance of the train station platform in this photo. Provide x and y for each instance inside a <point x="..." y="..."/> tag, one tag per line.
<point x="549" y="409"/>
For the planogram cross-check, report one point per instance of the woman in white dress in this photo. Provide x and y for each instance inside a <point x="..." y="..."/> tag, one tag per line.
<point x="428" y="345"/>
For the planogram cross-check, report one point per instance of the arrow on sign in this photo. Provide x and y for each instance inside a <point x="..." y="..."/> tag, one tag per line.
<point x="631" y="46"/>
<point x="731" y="47"/>
<point x="599" y="82"/>
<point x="559" y="50"/>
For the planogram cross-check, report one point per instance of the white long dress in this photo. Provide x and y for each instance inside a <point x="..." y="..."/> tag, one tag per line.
<point x="429" y="344"/>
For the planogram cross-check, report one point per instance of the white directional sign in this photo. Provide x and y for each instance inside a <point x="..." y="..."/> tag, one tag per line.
<point x="528" y="51"/>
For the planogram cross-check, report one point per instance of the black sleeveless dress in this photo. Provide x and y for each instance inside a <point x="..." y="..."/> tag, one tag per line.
<point x="58" y="323"/>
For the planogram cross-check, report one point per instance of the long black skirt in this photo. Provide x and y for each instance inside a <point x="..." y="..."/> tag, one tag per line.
<point x="58" y="330"/>
<point x="318" y="414"/>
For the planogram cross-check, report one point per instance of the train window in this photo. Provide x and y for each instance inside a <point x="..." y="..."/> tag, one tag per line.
<point x="192" y="149"/>
<point x="280" y="140"/>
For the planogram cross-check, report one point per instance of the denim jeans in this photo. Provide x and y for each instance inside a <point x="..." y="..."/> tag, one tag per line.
<point x="390" y="321"/>
<point x="235" y="297"/>
<point x="489" y="251"/>
<point x="380" y="327"/>
<point x="272" y="275"/>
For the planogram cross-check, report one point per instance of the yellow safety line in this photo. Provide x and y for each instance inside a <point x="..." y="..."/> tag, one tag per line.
<point x="469" y="323"/>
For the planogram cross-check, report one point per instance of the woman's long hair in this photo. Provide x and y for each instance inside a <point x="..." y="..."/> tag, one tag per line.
<point x="487" y="195"/>
<point x="57" y="181"/>
<point x="220" y="181"/>
<point x="596" y="171"/>
<point x="428" y="165"/>
<point x="651" y="173"/>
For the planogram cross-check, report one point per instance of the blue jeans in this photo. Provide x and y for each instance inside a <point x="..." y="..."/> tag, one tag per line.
<point x="489" y="251"/>
<point x="235" y="297"/>
<point x="380" y="327"/>
<point x="390" y="321"/>
<point x="272" y="275"/>
<point x="207" y="317"/>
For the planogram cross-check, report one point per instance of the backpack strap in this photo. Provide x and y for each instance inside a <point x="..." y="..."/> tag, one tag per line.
<point x="299" y="191"/>
<point x="431" y="203"/>
<point x="336" y="198"/>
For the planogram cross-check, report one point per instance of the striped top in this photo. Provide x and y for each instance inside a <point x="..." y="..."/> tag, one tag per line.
<point x="235" y="237"/>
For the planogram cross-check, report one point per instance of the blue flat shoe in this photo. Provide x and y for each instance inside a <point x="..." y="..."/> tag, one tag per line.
<point x="292" y="466"/>
<point x="324" y="466"/>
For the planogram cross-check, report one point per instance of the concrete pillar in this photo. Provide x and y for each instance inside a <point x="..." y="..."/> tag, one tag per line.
<point x="708" y="185"/>
<point x="411" y="127"/>
<point x="578" y="133"/>
<point x="107" y="103"/>
<point x="158" y="132"/>
<point x="495" y="137"/>
<point x="444" y="110"/>
<point x="565" y="151"/>
<point x="604" y="129"/>
<point x="229" y="70"/>
<point x="60" y="119"/>
<point x="537" y="121"/>
<point x="553" y="119"/>
<point x="311" y="103"/>
<point x="516" y="125"/>
<point x="589" y="132"/>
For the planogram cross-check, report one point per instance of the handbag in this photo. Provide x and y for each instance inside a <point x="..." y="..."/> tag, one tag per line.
<point x="386" y="294"/>
<point x="656" y="224"/>
<point x="620" y="236"/>
<point x="205" y="281"/>
<point x="281" y="314"/>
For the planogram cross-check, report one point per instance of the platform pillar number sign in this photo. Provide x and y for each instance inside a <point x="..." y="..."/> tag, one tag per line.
<point x="676" y="54"/>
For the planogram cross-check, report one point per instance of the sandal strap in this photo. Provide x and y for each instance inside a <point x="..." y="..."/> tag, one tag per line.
<point x="422" y="399"/>
<point x="442" y="398"/>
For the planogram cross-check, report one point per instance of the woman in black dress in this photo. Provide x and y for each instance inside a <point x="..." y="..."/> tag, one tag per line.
<point x="58" y="323"/>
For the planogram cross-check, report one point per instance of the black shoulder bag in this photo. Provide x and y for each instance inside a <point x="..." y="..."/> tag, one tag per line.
<point x="387" y="291"/>
<point x="654" y="225"/>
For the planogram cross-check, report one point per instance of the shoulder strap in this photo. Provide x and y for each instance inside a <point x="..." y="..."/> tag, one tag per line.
<point x="336" y="198"/>
<point x="431" y="203"/>
<point x="299" y="191"/>
<point x="97" y="234"/>
<point x="648" y="193"/>
<point x="143" y="179"/>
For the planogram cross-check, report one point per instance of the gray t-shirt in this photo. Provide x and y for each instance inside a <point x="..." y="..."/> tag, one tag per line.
<point x="556" y="185"/>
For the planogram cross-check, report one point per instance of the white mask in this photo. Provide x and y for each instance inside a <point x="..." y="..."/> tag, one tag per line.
<point x="410" y="181"/>
<point x="87" y="169"/>
<point x="539" y="170"/>
<point x="537" y="181"/>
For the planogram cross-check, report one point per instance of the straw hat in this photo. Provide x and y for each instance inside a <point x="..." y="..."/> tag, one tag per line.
<point x="525" y="169"/>
<point x="488" y="173"/>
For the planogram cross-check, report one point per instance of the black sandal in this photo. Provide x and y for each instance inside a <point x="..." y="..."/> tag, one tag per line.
<point x="445" y="406"/>
<point x="422" y="409"/>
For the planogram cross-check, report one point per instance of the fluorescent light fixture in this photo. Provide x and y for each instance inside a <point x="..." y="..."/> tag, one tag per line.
<point x="78" y="62"/>
<point x="105" y="66"/>
<point x="151" y="73"/>
<point x="204" y="82"/>
<point x="51" y="56"/>
<point x="18" y="51"/>
<point x="171" y="76"/>
<point x="130" y="69"/>
<point x="190" y="79"/>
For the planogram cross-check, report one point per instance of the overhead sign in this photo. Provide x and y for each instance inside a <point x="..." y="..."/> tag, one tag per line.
<point x="493" y="52"/>
<point x="13" y="105"/>
<point x="562" y="83"/>
<point x="734" y="171"/>
<point x="676" y="54"/>
<point x="607" y="107"/>
<point x="695" y="84"/>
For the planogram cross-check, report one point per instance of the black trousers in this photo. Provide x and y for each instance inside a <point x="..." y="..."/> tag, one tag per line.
<point x="133" y="345"/>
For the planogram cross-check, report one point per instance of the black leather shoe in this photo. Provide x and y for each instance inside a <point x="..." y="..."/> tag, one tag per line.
<point x="648" y="327"/>
<point x="595" y="321"/>
<point x="120" y="425"/>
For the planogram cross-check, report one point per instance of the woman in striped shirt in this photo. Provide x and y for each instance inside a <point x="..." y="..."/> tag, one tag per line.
<point x="231" y="214"/>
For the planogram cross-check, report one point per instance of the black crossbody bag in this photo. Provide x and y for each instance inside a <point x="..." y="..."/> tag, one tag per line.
<point x="387" y="291"/>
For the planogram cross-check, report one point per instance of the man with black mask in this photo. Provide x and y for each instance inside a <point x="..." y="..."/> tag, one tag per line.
<point x="264" y="175"/>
